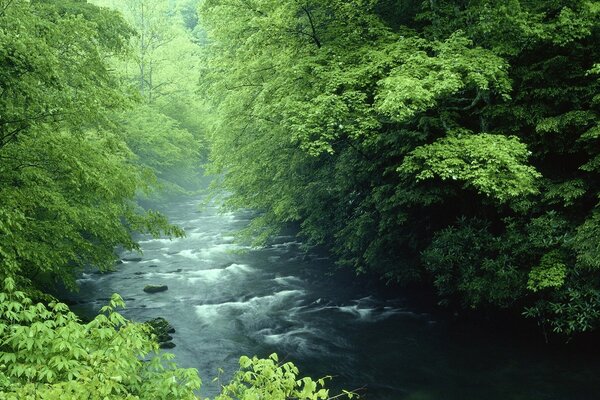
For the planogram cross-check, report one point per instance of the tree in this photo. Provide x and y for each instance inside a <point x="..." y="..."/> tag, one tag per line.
<point x="442" y="143"/>
<point x="163" y="60"/>
<point x="66" y="179"/>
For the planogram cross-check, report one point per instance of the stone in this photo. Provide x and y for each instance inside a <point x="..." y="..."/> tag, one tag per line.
<point x="133" y="259"/>
<point x="155" y="288"/>
<point x="161" y="329"/>
<point x="161" y="324"/>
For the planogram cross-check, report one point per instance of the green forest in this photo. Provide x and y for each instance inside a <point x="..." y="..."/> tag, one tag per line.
<point x="448" y="145"/>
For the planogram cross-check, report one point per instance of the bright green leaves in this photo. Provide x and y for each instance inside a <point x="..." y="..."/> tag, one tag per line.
<point x="421" y="80"/>
<point x="67" y="180"/>
<point x="48" y="352"/>
<point x="494" y="165"/>
<point x="64" y="82"/>
<point x="160" y="144"/>
<point x="550" y="273"/>
<point x="267" y="379"/>
<point x="586" y="243"/>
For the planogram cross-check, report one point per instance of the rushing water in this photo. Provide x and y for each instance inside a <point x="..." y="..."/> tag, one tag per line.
<point x="280" y="298"/>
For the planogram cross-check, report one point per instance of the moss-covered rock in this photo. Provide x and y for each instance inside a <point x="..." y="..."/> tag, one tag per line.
<point x="155" y="288"/>
<point x="161" y="329"/>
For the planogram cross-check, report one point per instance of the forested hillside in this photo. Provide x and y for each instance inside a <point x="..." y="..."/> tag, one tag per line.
<point x="449" y="142"/>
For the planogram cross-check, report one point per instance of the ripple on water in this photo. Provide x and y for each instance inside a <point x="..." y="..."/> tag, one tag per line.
<point x="259" y="306"/>
<point x="211" y="275"/>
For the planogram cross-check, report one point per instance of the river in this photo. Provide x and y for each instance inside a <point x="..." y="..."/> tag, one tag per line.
<point x="226" y="301"/>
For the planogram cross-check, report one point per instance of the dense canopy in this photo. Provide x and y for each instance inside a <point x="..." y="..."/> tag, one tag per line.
<point x="447" y="142"/>
<point x="451" y="144"/>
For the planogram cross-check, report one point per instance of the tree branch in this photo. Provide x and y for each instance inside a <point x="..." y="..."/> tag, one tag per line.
<point x="312" y="27"/>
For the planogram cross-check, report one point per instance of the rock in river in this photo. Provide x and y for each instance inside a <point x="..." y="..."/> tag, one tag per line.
<point x="155" y="288"/>
<point x="161" y="328"/>
<point x="132" y="259"/>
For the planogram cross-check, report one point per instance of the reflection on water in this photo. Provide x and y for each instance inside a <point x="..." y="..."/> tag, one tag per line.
<point x="280" y="298"/>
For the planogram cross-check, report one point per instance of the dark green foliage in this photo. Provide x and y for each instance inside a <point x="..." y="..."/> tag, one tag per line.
<point x="442" y="140"/>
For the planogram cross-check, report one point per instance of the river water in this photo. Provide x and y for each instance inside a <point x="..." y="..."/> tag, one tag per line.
<point x="226" y="301"/>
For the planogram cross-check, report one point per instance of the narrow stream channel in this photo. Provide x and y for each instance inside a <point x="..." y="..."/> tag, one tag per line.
<point x="225" y="304"/>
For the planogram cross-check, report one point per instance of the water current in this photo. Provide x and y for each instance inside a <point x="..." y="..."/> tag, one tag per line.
<point x="225" y="303"/>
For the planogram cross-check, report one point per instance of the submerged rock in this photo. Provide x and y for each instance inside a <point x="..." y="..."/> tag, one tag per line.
<point x="155" y="288"/>
<point x="153" y="266"/>
<point x="166" y="345"/>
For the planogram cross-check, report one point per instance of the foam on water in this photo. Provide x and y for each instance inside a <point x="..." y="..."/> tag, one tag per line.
<point x="205" y="275"/>
<point x="85" y="278"/>
<point x="216" y="274"/>
<point x="159" y="240"/>
<point x="361" y="313"/>
<point x="288" y="280"/>
<point x="153" y="261"/>
<point x="191" y="254"/>
<point x="259" y="305"/>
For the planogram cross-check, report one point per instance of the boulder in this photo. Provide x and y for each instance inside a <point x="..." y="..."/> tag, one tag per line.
<point x="161" y="324"/>
<point x="155" y="288"/>
<point x="161" y="329"/>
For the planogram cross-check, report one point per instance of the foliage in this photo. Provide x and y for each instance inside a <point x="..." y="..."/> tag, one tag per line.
<point x="455" y="142"/>
<point x="268" y="379"/>
<point x="69" y="175"/>
<point x="165" y="131"/>
<point x="67" y="180"/>
<point x="160" y="144"/>
<point x="47" y="353"/>
<point x="493" y="164"/>
<point x="550" y="273"/>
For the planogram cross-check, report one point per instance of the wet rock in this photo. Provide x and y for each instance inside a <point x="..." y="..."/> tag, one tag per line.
<point x="119" y="262"/>
<point x="155" y="288"/>
<point x="140" y="273"/>
<point x="133" y="259"/>
<point x="153" y="266"/>
<point x="161" y="329"/>
<point x="161" y="324"/>
<point x="178" y="270"/>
